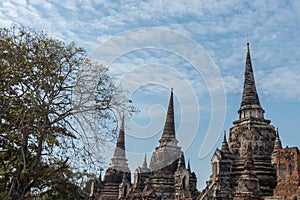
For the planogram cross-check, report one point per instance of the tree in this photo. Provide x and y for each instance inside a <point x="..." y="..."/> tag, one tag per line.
<point x="61" y="185"/>
<point x="44" y="91"/>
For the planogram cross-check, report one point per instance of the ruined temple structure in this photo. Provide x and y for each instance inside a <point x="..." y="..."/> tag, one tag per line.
<point x="117" y="179"/>
<point x="251" y="164"/>
<point x="245" y="166"/>
<point x="288" y="174"/>
<point x="167" y="176"/>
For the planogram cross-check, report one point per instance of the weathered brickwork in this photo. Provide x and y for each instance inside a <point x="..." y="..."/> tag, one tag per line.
<point x="288" y="173"/>
<point x="167" y="176"/>
<point x="251" y="164"/>
<point x="244" y="163"/>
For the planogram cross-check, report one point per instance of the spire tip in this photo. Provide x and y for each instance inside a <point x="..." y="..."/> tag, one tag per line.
<point x="224" y="140"/>
<point x="168" y="136"/>
<point x="248" y="46"/>
<point x="145" y="162"/>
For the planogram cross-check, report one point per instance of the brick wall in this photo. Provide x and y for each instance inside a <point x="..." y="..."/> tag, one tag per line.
<point x="288" y="173"/>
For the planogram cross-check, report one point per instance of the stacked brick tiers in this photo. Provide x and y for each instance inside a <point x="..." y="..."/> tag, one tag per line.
<point x="167" y="176"/>
<point x="251" y="164"/>
<point x="242" y="169"/>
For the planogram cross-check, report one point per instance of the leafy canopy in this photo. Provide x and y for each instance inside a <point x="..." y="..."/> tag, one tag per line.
<point x="45" y="90"/>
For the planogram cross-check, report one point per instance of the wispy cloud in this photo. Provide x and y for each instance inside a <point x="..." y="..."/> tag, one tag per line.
<point x="221" y="27"/>
<point x="281" y="83"/>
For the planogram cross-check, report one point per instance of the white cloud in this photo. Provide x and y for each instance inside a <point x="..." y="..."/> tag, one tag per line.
<point x="221" y="27"/>
<point x="281" y="83"/>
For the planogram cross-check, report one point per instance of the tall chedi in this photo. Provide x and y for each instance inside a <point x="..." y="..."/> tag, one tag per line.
<point x="167" y="176"/>
<point x="164" y="160"/>
<point x="167" y="152"/>
<point x="252" y="129"/>
<point x="242" y="169"/>
<point x="119" y="160"/>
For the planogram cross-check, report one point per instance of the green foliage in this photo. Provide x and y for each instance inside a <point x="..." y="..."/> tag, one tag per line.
<point x="38" y="76"/>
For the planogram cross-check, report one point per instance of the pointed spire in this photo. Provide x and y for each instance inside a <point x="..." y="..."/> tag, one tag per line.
<point x="120" y="147"/>
<point x="277" y="144"/>
<point x="189" y="166"/>
<point x="225" y="148"/>
<point x="119" y="160"/>
<point x="250" y="96"/>
<point x="250" y="105"/>
<point x="169" y="128"/>
<point x="224" y="139"/>
<point x="167" y="152"/>
<point x="144" y="166"/>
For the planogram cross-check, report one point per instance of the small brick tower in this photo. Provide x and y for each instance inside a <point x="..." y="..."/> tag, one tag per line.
<point x="117" y="178"/>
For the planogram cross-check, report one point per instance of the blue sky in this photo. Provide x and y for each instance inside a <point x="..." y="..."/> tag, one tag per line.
<point x="169" y="56"/>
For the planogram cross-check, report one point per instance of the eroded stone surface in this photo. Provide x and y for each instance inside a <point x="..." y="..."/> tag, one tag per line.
<point x="251" y="166"/>
<point x="251" y="140"/>
<point x="167" y="176"/>
<point x="288" y="173"/>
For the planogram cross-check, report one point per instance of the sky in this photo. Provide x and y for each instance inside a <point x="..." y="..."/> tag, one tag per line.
<point x="197" y="47"/>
